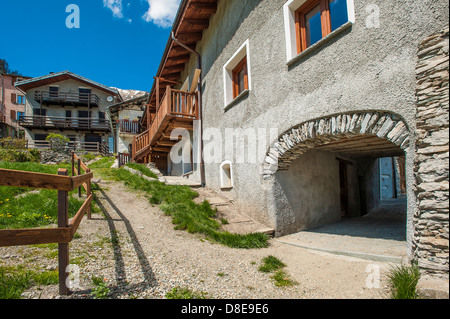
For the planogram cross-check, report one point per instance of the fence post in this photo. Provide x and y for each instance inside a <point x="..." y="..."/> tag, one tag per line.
<point x="63" y="249"/>
<point x="88" y="193"/>
<point x="79" y="173"/>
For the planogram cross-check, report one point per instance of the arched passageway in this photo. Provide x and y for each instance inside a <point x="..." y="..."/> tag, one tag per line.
<point x="339" y="167"/>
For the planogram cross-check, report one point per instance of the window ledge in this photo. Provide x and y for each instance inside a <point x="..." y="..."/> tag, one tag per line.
<point x="237" y="99"/>
<point x="319" y="43"/>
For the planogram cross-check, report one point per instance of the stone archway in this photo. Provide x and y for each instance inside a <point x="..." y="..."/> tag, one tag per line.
<point x="390" y="131"/>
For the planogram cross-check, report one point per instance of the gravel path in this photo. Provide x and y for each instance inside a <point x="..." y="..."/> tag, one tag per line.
<point x="134" y="247"/>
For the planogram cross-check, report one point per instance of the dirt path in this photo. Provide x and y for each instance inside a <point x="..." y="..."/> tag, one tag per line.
<point x="134" y="247"/>
<point x="152" y="258"/>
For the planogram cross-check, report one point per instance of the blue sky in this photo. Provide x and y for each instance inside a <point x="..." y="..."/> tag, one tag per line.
<point x="119" y="42"/>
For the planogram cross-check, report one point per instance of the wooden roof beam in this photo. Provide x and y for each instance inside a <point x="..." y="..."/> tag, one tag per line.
<point x="204" y="8"/>
<point x="202" y="23"/>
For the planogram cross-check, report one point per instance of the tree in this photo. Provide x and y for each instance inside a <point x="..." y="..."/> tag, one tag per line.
<point x="5" y="69"/>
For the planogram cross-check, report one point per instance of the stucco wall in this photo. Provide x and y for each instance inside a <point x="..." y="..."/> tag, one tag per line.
<point x="363" y="68"/>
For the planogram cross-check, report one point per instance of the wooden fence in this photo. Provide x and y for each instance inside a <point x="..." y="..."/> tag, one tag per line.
<point x="66" y="229"/>
<point x="124" y="159"/>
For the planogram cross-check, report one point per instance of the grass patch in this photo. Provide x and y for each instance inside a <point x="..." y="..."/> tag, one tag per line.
<point x="271" y="263"/>
<point x="33" y="208"/>
<point x="14" y="281"/>
<point x="185" y="293"/>
<point x="403" y="281"/>
<point x="143" y="169"/>
<point x="100" y="290"/>
<point x="177" y="202"/>
<point x="105" y="162"/>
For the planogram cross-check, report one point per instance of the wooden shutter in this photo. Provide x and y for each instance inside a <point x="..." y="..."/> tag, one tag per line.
<point x="13" y="115"/>
<point x="13" y="98"/>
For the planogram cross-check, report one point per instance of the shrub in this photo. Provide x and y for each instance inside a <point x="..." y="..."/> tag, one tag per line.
<point x="57" y="141"/>
<point x="19" y="156"/>
<point x="403" y="280"/>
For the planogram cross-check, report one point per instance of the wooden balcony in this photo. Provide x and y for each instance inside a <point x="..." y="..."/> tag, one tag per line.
<point x="178" y="109"/>
<point x="128" y="127"/>
<point x="65" y="98"/>
<point x="64" y="123"/>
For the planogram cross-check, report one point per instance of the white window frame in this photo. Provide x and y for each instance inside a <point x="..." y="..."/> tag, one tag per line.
<point x="289" y="9"/>
<point x="243" y="51"/>
<point x="225" y="182"/>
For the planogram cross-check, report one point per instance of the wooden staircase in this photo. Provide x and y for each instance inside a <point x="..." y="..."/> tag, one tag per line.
<point x="178" y="109"/>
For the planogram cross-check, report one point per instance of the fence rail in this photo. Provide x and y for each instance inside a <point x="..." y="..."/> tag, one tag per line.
<point x="62" y="235"/>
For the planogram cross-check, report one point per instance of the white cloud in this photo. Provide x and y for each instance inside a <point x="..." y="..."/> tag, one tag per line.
<point x="162" y="12"/>
<point x="115" y="6"/>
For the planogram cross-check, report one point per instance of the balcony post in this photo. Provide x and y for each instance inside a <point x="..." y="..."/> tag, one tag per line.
<point x="168" y="100"/>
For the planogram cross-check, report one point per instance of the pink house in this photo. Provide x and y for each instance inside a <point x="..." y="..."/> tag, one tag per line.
<point x="12" y="105"/>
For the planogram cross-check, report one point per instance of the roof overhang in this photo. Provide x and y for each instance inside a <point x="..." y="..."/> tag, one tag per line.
<point x="192" y="19"/>
<point x="59" y="77"/>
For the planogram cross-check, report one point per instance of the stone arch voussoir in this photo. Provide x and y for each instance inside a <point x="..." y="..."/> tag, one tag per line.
<point x="311" y="134"/>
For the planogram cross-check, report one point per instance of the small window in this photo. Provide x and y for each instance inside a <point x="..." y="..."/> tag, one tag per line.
<point x="226" y="175"/>
<point x="20" y="99"/>
<point x="240" y="78"/>
<point x="237" y="75"/>
<point x="316" y="19"/>
<point x="20" y="115"/>
<point x="309" y="21"/>
<point x="53" y="91"/>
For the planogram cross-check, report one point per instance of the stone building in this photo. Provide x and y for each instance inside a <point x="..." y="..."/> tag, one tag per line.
<point x="68" y="104"/>
<point x="299" y="100"/>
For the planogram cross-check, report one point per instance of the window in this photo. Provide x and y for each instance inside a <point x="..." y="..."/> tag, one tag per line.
<point x="226" y="175"/>
<point x="53" y="91"/>
<point x="84" y="94"/>
<point x="307" y="22"/>
<point x="240" y="78"/>
<point x="237" y="75"/>
<point x="101" y="117"/>
<point x="20" y="115"/>
<point x="20" y="99"/>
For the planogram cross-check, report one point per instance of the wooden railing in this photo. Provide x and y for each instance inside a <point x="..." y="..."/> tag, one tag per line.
<point x="126" y="126"/>
<point x="66" y="229"/>
<point x="175" y="104"/>
<point x="66" y="97"/>
<point x="92" y="147"/>
<point x="124" y="159"/>
<point x="65" y="123"/>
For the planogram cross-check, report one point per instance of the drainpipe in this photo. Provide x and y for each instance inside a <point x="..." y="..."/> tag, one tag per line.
<point x="200" y="113"/>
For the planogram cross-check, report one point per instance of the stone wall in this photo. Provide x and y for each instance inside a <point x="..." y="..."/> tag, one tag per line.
<point x="431" y="220"/>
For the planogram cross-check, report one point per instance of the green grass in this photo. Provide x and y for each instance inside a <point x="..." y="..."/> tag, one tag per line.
<point x="14" y="281"/>
<point x="100" y="290"/>
<point x="105" y="162"/>
<point x="38" y="208"/>
<point x="271" y="263"/>
<point x="177" y="202"/>
<point x="185" y="293"/>
<point x="403" y="281"/>
<point x="143" y="169"/>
